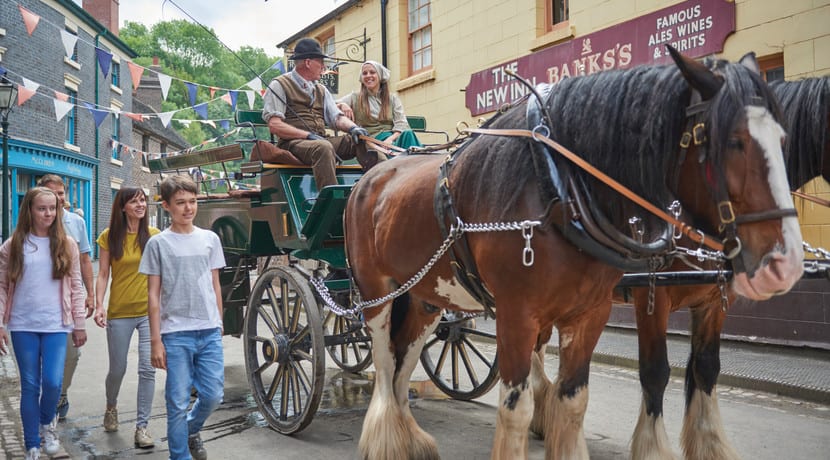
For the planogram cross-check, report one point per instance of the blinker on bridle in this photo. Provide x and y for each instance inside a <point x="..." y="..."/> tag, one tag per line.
<point x="695" y="133"/>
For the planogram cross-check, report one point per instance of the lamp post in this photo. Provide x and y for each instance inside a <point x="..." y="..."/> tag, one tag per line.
<point x="8" y="95"/>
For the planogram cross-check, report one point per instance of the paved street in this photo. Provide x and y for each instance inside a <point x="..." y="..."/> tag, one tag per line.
<point x="761" y="425"/>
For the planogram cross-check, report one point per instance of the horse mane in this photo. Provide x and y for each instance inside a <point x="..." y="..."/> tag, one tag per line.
<point x="626" y="123"/>
<point x="806" y="106"/>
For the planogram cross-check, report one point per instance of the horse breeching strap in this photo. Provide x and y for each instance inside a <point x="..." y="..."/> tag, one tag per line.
<point x="695" y="235"/>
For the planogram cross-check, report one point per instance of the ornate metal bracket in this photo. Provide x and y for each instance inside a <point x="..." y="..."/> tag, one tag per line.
<point x="355" y="47"/>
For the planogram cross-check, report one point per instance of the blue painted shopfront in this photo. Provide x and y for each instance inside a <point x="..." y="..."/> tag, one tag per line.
<point x="29" y="161"/>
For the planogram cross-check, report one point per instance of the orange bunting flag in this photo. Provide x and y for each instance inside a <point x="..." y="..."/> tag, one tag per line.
<point x="135" y="71"/>
<point x="227" y="98"/>
<point x="61" y="96"/>
<point x="24" y="94"/>
<point x="29" y="18"/>
<point x="133" y="116"/>
<point x="213" y="91"/>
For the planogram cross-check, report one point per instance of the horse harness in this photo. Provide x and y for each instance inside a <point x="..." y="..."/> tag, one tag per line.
<point x="568" y="195"/>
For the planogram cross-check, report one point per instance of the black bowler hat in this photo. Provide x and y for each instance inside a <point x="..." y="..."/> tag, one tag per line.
<point x="308" y="48"/>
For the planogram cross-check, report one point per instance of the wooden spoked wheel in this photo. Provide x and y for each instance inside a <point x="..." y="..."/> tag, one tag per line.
<point x="347" y="343"/>
<point x="460" y="367"/>
<point x="284" y="349"/>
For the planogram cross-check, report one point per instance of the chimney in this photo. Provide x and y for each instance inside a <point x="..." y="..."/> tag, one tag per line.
<point x="149" y="88"/>
<point x="105" y="12"/>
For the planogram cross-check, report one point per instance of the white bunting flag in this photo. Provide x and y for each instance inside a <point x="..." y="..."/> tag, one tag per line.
<point x="164" y="80"/>
<point x="165" y="117"/>
<point x="69" y="40"/>
<point x="62" y="108"/>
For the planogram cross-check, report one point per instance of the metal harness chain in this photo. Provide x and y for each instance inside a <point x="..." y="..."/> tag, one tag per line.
<point x="456" y="231"/>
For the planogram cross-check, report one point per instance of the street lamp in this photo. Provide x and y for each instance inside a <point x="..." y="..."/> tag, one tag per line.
<point x="8" y="95"/>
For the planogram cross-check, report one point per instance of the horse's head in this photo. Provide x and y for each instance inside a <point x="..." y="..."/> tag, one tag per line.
<point x="734" y="158"/>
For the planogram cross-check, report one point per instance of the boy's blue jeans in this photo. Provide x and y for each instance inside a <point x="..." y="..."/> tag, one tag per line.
<point x="194" y="358"/>
<point x="40" y="358"/>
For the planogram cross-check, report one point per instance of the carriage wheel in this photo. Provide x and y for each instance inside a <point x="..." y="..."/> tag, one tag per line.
<point x="354" y="356"/>
<point x="457" y="365"/>
<point x="284" y="356"/>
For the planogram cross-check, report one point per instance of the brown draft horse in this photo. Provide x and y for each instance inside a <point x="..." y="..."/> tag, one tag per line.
<point x="806" y="107"/>
<point x="626" y="123"/>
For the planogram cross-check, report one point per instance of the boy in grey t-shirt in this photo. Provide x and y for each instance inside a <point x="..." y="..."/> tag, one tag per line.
<point x="185" y="309"/>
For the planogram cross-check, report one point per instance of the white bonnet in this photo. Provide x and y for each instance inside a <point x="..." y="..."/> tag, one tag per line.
<point x="382" y="71"/>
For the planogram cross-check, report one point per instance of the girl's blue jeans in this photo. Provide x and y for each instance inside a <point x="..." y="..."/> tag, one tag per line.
<point x="40" y="359"/>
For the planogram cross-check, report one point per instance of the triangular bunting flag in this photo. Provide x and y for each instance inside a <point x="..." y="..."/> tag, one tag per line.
<point x="226" y="97"/>
<point x="191" y="91"/>
<point x="29" y="18"/>
<point x="104" y="60"/>
<point x="262" y="93"/>
<point x="210" y="123"/>
<point x="279" y="65"/>
<point x="251" y="98"/>
<point x="69" y="40"/>
<point x="23" y="94"/>
<point x="61" y="96"/>
<point x="165" y="117"/>
<point x="164" y="80"/>
<point x="255" y="84"/>
<point x="201" y="110"/>
<point x="30" y="84"/>
<point x="61" y="108"/>
<point x="97" y="114"/>
<point x="225" y="124"/>
<point x="135" y="72"/>
<point x="213" y="91"/>
<point x="234" y="95"/>
<point x="133" y="116"/>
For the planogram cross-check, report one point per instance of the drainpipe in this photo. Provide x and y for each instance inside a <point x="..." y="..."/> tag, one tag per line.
<point x="93" y="203"/>
<point x="383" y="5"/>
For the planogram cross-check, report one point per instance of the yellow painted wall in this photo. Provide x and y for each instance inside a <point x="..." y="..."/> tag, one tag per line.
<point x="472" y="35"/>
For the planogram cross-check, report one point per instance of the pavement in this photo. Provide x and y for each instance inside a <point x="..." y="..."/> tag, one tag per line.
<point x="795" y="372"/>
<point x="799" y="373"/>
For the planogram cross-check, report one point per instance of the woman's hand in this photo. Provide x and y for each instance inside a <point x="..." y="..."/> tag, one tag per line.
<point x="346" y="110"/>
<point x="4" y="341"/>
<point x="100" y="317"/>
<point x="78" y="338"/>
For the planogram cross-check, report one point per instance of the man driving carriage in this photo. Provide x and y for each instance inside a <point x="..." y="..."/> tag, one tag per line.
<point x="297" y="109"/>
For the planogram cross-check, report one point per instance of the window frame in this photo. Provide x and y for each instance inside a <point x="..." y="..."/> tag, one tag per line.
<point x="411" y="34"/>
<point x="773" y="62"/>
<point x="71" y="132"/>
<point x="550" y="25"/>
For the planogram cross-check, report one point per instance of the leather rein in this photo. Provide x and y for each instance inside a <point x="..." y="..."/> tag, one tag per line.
<point x="731" y="246"/>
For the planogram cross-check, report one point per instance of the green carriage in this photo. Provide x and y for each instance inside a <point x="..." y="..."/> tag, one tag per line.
<point x="278" y="235"/>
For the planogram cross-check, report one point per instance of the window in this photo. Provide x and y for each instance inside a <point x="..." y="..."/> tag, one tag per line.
<point x="557" y="11"/>
<point x="145" y="143"/>
<point x="116" y="134"/>
<point x="328" y="44"/>
<point x="772" y="67"/>
<point x="115" y="72"/>
<point x="71" y="119"/>
<point x="420" y="35"/>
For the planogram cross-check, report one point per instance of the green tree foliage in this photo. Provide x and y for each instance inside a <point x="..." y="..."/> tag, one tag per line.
<point x="188" y="52"/>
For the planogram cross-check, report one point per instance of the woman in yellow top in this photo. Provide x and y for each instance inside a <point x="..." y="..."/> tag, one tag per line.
<point x="122" y="245"/>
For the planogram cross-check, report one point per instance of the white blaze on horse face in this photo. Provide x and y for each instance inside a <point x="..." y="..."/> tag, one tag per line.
<point x="784" y="266"/>
<point x="455" y="294"/>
